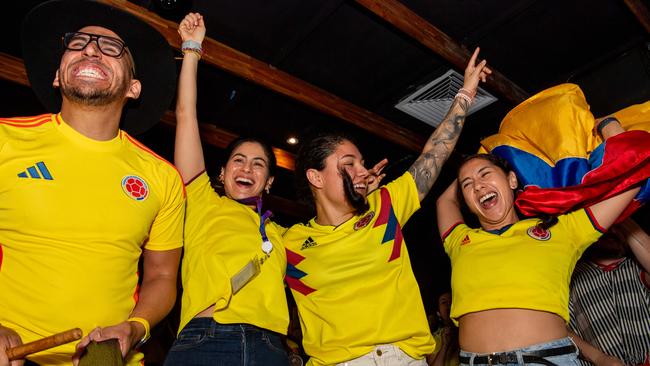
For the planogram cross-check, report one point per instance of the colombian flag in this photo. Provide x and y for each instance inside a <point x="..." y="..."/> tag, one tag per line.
<point x="559" y="160"/>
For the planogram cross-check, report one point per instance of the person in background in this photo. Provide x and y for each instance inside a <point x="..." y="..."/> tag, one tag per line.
<point x="446" y="337"/>
<point x="609" y="302"/>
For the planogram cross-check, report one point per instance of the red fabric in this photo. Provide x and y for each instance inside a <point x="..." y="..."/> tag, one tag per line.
<point x="626" y="162"/>
<point x="384" y="211"/>
<point x="298" y="285"/>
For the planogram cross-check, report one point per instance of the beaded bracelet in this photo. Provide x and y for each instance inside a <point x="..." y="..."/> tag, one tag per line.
<point x="469" y="93"/>
<point x="465" y="97"/>
<point x="147" y="329"/>
<point x="192" y="46"/>
<point x="198" y="53"/>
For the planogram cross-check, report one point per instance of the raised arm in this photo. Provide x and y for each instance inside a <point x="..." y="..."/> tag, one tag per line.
<point x="606" y="212"/>
<point x="440" y="144"/>
<point x="638" y="241"/>
<point x="188" y="152"/>
<point x="448" y="208"/>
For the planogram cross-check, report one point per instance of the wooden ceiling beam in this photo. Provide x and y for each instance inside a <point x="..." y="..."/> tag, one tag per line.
<point x="13" y="69"/>
<point x="220" y="138"/>
<point x="240" y="64"/>
<point x="436" y="40"/>
<point x="641" y="13"/>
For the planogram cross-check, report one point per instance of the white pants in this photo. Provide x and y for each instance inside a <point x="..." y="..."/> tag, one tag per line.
<point x="385" y="355"/>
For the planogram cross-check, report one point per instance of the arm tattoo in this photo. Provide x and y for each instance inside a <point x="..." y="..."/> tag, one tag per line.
<point x="427" y="167"/>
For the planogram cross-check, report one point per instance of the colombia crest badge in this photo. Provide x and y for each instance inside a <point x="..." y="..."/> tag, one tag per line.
<point x="135" y="187"/>
<point x="364" y="221"/>
<point x="539" y="233"/>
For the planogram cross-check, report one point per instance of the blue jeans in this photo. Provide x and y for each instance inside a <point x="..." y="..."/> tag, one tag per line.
<point x="566" y="359"/>
<point x="206" y="342"/>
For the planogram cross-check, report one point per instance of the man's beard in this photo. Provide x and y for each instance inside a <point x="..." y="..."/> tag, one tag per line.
<point x="356" y="200"/>
<point x="93" y="97"/>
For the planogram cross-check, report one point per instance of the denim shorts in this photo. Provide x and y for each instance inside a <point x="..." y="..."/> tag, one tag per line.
<point x="566" y="359"/>
<point x="206" y="342"/>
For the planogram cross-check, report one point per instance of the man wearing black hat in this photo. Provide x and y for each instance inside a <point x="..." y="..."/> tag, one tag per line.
<point x="80" y="199"/>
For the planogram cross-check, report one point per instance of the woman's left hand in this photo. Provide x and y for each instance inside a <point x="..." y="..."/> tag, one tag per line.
<point x="192" y="28"/>
<point x="475" y="73"/>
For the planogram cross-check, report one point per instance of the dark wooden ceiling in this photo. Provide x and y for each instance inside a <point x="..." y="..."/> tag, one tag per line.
<point x="289" y="67"/>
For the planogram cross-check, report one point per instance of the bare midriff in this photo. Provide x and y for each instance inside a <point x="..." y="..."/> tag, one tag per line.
<point x="207" y="313"/>
<point x="500" y="330"/>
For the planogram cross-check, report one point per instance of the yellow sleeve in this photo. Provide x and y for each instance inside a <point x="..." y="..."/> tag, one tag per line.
<point x="404" y="196"/>
<point x="582" y="228"/>
<point x="454" y="236"/>
<point x="167" y="229"/>
<point x="201" y="201"/>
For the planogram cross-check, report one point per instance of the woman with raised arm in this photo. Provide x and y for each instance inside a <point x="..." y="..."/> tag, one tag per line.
<point x="234" y="309"/>
<point x="510" y="278"/>
<point x="349" y="270"/>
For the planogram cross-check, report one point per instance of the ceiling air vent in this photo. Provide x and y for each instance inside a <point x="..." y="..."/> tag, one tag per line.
<point x="431" y="102"/>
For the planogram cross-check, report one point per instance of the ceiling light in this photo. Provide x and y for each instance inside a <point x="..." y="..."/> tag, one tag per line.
<point x="292" y="140"/>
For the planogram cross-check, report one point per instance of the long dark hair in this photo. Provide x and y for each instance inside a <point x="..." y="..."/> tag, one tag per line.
<point x="268" y="151"/>
<point x="545" y="221"/>
<point x="312" y="155"/>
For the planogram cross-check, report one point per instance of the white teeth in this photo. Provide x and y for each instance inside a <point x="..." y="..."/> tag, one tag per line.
<point x="487" y="197"/>
<point x="360" y="186"/>
<point x="89" y="73"/>
<point x="244" y="180"/>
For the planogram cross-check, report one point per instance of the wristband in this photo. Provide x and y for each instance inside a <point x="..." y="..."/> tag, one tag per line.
<point x="604" y="123"/>
<point x="190" y="44"/>
<point x="147" y="329"/>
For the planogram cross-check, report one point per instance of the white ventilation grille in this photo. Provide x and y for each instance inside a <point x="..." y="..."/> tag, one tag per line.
<point x="431" y="102"/>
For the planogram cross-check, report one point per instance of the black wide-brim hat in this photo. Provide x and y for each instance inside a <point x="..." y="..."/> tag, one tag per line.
<point x="46" y="23"/>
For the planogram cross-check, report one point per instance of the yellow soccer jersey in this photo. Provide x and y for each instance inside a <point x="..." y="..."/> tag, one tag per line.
<point x="221" y="237"/>
<point x="523" y="267"/>
<point x="74" y="215"/>
<point x="354" y="285"/>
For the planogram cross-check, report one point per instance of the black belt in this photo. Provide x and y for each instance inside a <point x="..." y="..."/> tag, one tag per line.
<point x="503" y="358"/>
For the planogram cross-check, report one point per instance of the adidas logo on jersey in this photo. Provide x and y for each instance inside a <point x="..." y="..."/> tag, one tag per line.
<point x="308" y="243"/>
<point x="465" y="240"/>
<point x="37" y="171"/>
